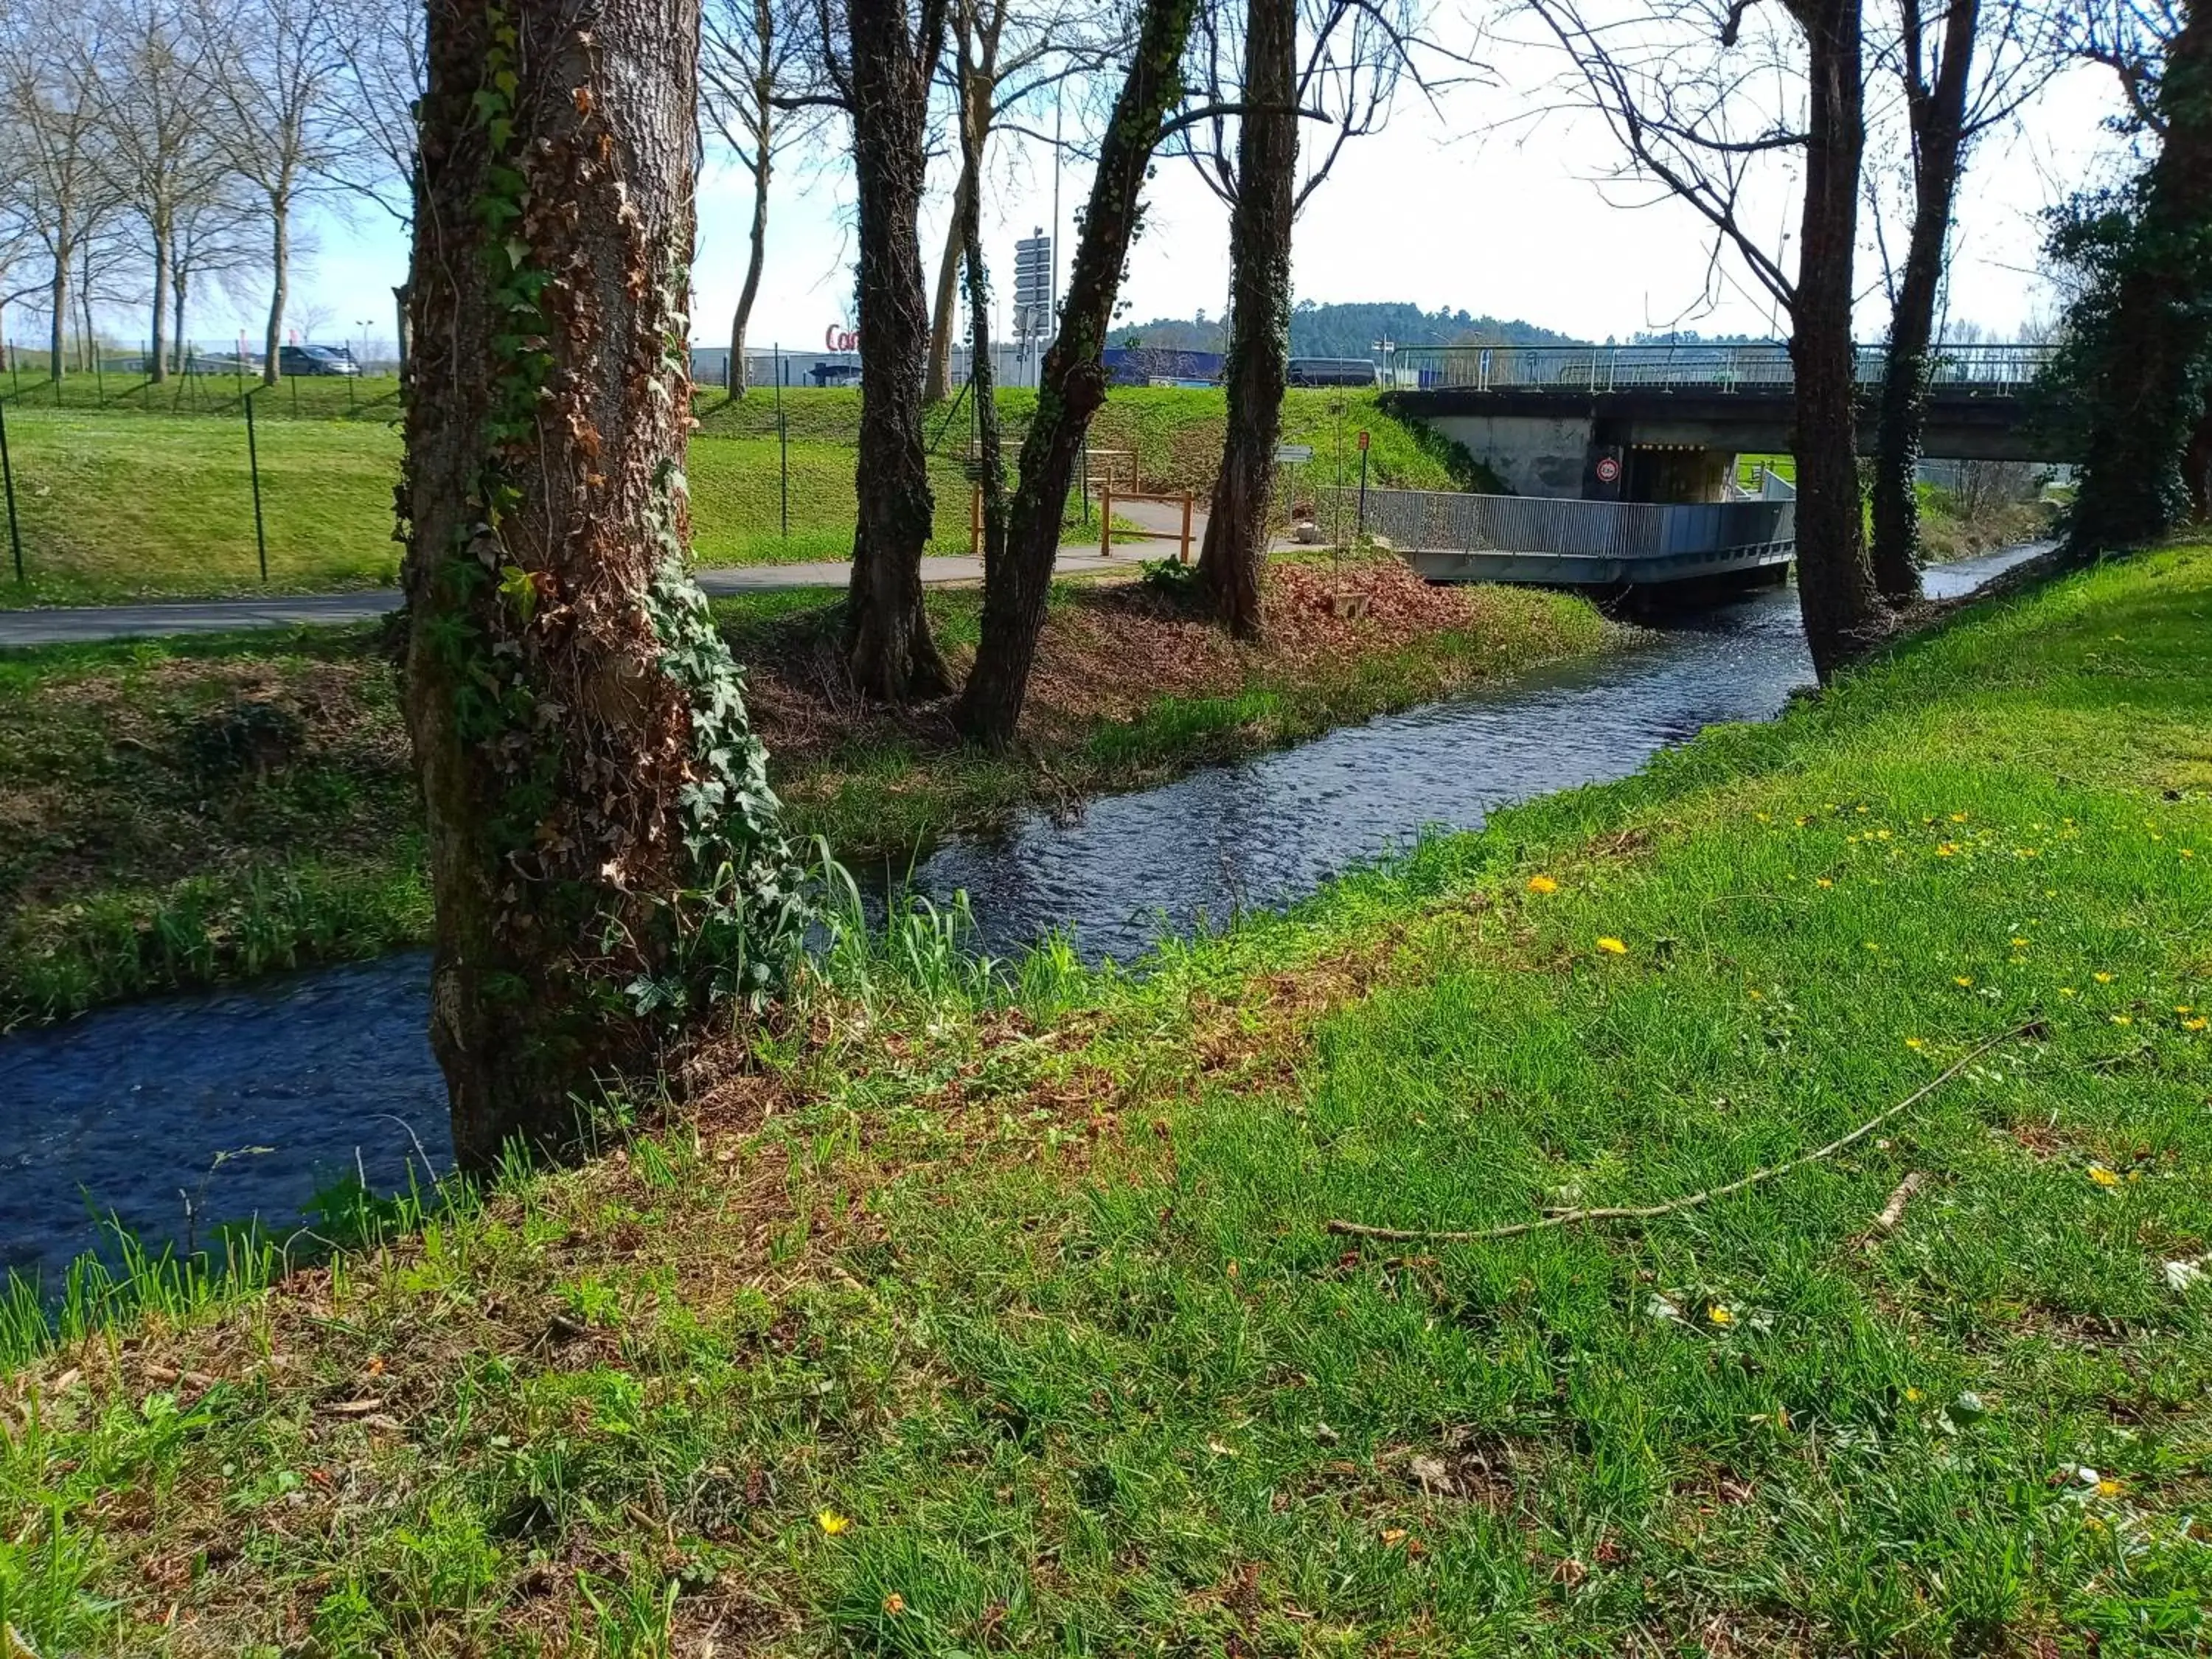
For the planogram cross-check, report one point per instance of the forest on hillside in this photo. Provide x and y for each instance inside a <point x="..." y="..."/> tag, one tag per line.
<point x="1345" y="330"/>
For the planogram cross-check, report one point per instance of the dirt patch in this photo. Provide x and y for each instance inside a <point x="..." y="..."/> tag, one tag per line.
<point x="1107" y="653"/>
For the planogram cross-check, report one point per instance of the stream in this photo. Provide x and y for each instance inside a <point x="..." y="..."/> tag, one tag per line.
<point x="249" y="1101"/>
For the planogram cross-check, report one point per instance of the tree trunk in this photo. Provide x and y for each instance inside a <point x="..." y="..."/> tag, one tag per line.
<point x="754" y="263"/>
<point x="58" y="293"/>
<point x="1835" y="589"/>
<point x="1234" y="562"/>
<point x="603" y="845"/>
<point x="983" y="387"/>
<point x="2146" y="384"/>
<point x="157" y="366"/>
<point x="180" y="284"/>
<point x="1938" y="116"/>
<point x="280" y="276"/>
<point x="887" y="638"/>
<point x="937" y="383"/>
<point x="1072" y="384"/>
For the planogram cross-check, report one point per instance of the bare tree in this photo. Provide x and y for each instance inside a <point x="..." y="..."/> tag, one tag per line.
<point x="49" y="88"/>
<point x="1700" y="94"/>
<point x="216" y="237"/>
<point x="758" y="63"/>
<point x="2129" y="37"/>
<point x="159" y="154"/>
<point x="1964" y="66"/>
<point x="381" y="44"/>
<point x="1004" y="57"/>
<point x="1072" y="384"/>
<point x="1338" y="64"/>
<point x="284" y="66"/>
<point x="603" y="844"/>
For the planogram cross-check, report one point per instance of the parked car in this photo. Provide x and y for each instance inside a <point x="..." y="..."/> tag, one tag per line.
<point x="316" y="360"/>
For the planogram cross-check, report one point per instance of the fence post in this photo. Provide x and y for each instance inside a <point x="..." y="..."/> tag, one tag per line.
<point x="253" y="469"/>
<point x="1084" y="461"/>
<point x="976" y="521"/>
<point x="1184" y="558"/>
<point x="1106" y="522"/>
<point x="8" y="478"/>
<point x="1363" y="490"/>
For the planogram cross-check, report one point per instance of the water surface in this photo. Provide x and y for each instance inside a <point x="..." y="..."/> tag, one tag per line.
<point x="248" y="1102"/>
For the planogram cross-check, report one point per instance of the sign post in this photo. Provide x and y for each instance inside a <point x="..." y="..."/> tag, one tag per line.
<point x="1033" y="294"/>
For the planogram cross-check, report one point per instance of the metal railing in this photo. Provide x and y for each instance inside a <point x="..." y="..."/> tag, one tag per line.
<point x="1441" y="521"/>
<point x="1763" y="368"/>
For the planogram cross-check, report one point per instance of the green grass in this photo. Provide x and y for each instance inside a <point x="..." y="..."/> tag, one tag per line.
<point x="143" y="854"/>
<point x="118" y="503"/>
<point x="1010" y="1322"/>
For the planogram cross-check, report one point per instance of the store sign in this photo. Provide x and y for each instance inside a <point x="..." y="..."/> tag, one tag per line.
<point x="838" y="338"/>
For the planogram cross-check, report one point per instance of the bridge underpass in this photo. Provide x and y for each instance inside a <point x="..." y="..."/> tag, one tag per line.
<point x="1665" y="423"/>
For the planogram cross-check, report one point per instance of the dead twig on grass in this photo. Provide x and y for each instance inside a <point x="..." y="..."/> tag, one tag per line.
<point x="1647" y="1212"/>
<point x="1893" y="1211"/>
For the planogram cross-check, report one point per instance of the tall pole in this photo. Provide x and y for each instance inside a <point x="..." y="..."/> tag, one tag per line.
<point x="8" y="477"/>
<point x="253" y="467"/>
<point x="1052" y="294"/>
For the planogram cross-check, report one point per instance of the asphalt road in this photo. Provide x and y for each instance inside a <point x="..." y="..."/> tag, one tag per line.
<point x="78" y="624"/>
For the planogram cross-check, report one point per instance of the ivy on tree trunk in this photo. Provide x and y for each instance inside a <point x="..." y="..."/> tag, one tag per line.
<point x="1234" y="560"/>
<point x="2138" y="351"/>
<point x="887" y="638"/>
<point x="604" y="847"/>
<point x="1072" y="383"/>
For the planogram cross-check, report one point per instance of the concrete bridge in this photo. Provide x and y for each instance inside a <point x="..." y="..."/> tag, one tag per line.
<point x="1665" y="424"/>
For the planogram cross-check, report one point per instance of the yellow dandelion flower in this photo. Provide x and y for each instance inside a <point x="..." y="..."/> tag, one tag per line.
<point x="1762" y="817"/>
<point x="1962" y="979"/>
<point x="2109" y="1487"/>
<point x="2123" y="1020"/>
<point x="1958" y="818"/>
<point x="1719" y="1315"/>
<point x="1756" y="994"/>
<point x="1916" y="1043"/>
<point x="1822" y="881"/>
<point x="2189" y="852"/>
<point x="2103" y="1176"/>
<point x="2183" y="1008"/>
<point x="1613" y="947"/>
<point x="2102" y="979"/>
<point x="1947" y="849"/>
<point x="2068" y="991"/>
<point x="895" y="1604"/>
<point x="832" y="1523"/>
<point x="2195" y="1025"/>
<point x="1542" y="884"/>
<point x="1913" y="1396"/>
<point x="2019" y="944"/>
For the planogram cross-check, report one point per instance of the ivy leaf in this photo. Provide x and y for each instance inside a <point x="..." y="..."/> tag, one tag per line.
<point x="519" y="588"/>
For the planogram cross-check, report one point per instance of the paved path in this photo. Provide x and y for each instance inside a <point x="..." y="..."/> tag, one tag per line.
<point x="76" y="625"/>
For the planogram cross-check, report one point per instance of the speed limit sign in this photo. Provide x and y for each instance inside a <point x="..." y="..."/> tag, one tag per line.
<point x="1608" y="470"/>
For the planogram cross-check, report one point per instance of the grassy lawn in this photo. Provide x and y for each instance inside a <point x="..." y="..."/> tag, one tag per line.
<point x="201" y="808"/>
<point x="118" y="503"/>
<point x="963" y="1320"/>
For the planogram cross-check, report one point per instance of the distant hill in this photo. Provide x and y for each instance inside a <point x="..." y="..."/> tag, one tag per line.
<point x="1346" y="330"/>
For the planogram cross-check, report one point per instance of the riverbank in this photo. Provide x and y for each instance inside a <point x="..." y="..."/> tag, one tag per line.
<point x="962" y="1319"/>
<point x="187" y="810"/>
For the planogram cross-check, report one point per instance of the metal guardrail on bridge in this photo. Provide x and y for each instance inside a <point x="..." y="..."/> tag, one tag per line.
<point x="1443" y="521"/>
<point x="1703" y="368"/>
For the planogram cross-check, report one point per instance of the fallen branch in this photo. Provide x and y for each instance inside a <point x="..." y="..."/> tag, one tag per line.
<point x="1647" y="1211"/>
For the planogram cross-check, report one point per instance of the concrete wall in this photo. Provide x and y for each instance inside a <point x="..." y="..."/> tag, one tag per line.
<point x="1534" y="454"/>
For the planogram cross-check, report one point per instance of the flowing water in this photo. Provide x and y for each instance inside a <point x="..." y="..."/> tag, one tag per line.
<point x="246" y="1103"/>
